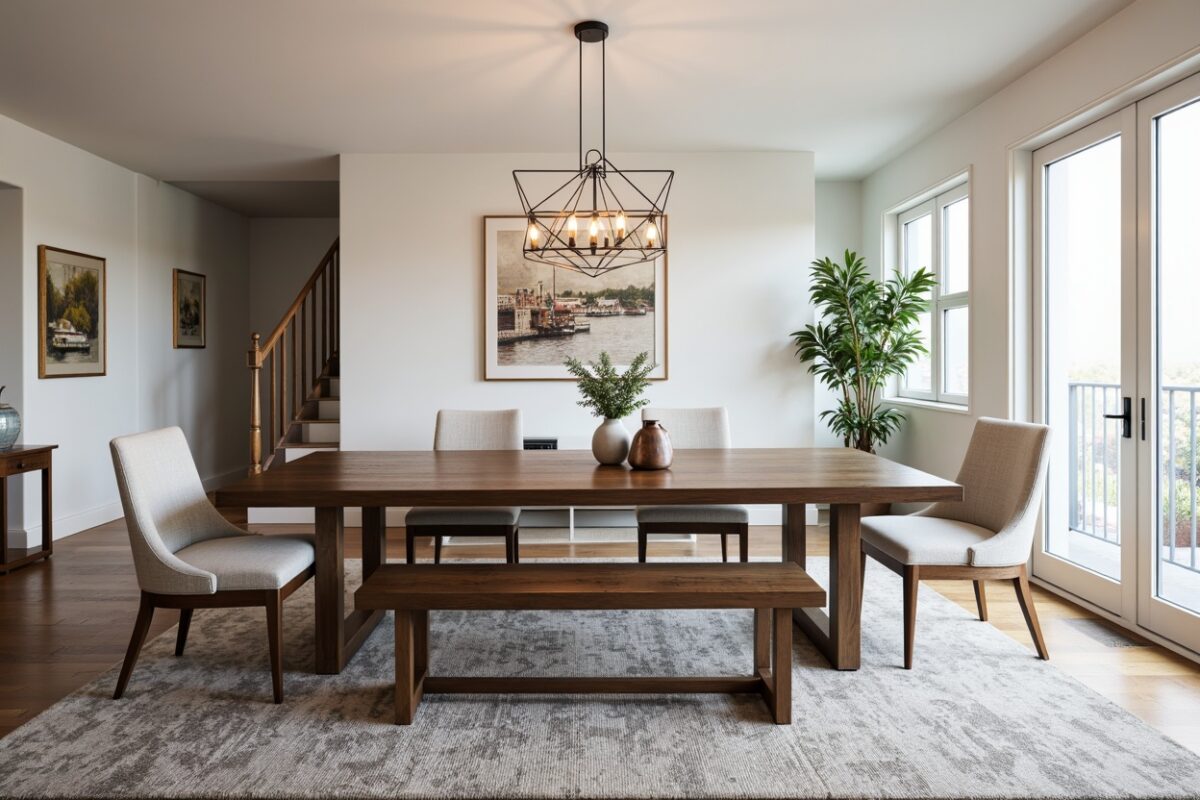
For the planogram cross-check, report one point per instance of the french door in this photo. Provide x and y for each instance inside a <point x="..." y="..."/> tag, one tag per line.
<point x="1117" y="360"/>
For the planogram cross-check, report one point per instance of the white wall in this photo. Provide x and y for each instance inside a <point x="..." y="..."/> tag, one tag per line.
<point x="75" y="200"/>
<point x="283" y="254"/>
<point x="839" y="228"/>
<point x="1134" y="43"/>
<point x="11" y="329"/>
<point x="742" y="235"/>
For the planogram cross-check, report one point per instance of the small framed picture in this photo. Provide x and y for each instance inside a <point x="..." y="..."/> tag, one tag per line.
<point x="187" y="297"/>
<point x="72" y="316"/>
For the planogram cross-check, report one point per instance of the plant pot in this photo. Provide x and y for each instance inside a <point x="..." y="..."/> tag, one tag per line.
<point x="10" y="425"/>
<point x="651" y="448"/>
<point x="610" y="442"/>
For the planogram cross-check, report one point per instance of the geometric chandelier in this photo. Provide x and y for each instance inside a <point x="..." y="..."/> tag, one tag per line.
<point x="595" y="218"/>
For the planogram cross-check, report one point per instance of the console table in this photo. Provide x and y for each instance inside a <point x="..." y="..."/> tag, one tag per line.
<point x="17" y="460"/>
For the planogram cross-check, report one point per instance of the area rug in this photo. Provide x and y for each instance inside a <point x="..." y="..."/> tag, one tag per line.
<point x="978" y="717"/>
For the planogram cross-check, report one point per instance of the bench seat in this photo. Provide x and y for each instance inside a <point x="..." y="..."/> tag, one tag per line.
<point x="772" y="590"/>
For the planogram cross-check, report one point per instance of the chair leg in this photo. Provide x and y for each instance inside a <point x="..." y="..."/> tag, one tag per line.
<point x="185" y="622"/>
<point x="641" y="544"/>
<point x="744" y="543"/>
<point x="724" y="548"/>
<point x="437" y="549"/>
<point x="410" y="548"/>
<point x="912" y="583"/>
<point x="1025" y="598"/>
<point x="981" y="600"/>
<point x="516" y="545"/>
<point x="140" y="627"/>
<point x="275" y="642"/>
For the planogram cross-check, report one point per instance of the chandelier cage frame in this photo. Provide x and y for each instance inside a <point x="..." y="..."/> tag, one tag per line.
<point x="567" y="232"/>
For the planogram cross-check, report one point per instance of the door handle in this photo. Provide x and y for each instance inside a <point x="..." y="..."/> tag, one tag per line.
<point x="1126" y="417"/>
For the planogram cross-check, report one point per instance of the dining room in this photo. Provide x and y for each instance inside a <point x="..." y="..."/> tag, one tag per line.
<point x="829" y="435"/>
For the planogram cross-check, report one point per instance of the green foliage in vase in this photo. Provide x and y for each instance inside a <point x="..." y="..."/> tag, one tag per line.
<point x="865" y="335"/>
<point x="608" y="393"/>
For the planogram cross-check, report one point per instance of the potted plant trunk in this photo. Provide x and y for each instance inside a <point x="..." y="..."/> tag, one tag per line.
<point x="612" y="396"/>
<point x="866" y="334"/>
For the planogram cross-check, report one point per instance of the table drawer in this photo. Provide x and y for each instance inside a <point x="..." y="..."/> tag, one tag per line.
<point x="16" y="463"/>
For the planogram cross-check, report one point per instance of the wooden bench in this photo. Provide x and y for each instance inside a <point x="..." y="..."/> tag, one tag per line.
<point x="772" y="590"/>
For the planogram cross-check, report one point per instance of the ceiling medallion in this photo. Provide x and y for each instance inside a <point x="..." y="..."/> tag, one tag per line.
<point x="597" y="218"/>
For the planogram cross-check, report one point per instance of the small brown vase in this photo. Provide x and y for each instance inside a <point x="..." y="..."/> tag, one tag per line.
<point x="651" y="448"/>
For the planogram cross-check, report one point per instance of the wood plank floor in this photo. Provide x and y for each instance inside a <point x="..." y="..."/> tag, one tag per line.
<point x="64" y="622"/>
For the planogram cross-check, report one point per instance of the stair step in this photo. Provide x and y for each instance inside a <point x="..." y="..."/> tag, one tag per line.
<point x="320" y="430"/>
<point x="297" y="451"/>
<point x="328" y="408"/>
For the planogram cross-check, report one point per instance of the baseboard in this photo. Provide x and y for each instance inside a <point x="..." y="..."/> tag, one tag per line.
<point x="1161" y="641"/>
<point x="68" y="525"/>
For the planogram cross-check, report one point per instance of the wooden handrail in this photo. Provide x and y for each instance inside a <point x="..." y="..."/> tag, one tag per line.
<point x="310" y="347"/>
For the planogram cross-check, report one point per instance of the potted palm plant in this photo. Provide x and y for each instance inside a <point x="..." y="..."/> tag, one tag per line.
<point x="866" y="334"/>
<point x="611" y="395"/>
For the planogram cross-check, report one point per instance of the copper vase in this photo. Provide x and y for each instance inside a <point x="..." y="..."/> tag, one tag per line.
<point x="651" y="448"/>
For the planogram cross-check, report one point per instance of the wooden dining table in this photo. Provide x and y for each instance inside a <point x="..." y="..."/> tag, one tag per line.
<point x="331" y="482"/>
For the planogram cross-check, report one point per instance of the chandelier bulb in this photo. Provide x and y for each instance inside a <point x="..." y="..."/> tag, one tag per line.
<point x="533" y="236"/>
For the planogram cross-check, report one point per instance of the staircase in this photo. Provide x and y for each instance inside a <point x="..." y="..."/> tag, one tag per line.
<point x="298" y="362"/>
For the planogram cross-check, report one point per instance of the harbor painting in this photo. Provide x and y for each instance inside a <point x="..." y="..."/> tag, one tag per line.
<point x="187" y="294"/>
<point x="72" y="315"/>
<point x="538" y="316"/>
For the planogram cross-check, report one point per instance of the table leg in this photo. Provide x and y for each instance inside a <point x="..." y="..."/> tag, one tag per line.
<point x="406" y="698"/>
<point x="338" y="636"/>
<point x="795" y="535"/>
<point x="4" y="522"/>
<point x="374" y="539"/>
<point x="762" y="639"/>
<point x="837" y="633"/>
<point x="330" y="589"/>
<point x="47" y="511"/>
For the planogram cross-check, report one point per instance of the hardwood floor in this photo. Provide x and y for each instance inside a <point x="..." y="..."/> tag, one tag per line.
<point x="64" y="622"/>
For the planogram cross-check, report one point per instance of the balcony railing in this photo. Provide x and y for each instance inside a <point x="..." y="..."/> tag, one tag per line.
<point x="1095" y="462"/>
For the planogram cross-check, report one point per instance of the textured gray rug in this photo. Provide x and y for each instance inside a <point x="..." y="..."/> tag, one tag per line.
<point x="978" y="717"/>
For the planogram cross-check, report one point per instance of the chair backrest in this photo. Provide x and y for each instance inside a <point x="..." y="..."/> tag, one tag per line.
<point x="1002" y="477"/>
<point x="478" y="430"/>
<point x="694" y="428"/>
<point x="165" y="508"/>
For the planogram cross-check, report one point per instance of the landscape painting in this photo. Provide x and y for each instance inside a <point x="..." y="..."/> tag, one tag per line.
<point x="187" y="296"/>
<point x="538" y="316"/>
<point x="72" y="316"/>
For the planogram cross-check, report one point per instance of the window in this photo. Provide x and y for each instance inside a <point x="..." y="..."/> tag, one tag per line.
<point x="935" y="234"/>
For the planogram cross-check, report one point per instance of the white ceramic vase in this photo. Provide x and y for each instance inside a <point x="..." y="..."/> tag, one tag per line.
<point x="610" y="442"/>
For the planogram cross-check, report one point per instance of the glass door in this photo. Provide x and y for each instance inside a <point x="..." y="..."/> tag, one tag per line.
<point x="1085" y="376"/>
<point x="1169" y="260"/>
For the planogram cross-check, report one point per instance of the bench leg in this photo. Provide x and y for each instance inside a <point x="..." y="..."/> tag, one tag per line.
<point x="781" y="675"/>
<point x="762" y="639"/>
<point x="420" y="647"/>
<point x="406" y="696"/>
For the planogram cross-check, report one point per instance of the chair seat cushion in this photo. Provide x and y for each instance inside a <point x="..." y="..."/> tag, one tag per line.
<point x="730" y="515"/>
<point x="251" y="561"/>
<point x="924" y="540"/>
<point x="483" y="515"/>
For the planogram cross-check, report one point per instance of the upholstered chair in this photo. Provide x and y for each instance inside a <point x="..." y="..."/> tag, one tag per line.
<point x="987" y="536"/>
<point x="695" y="429"/>
<point x="470" y="430"/>
<point x="188" y="556"/>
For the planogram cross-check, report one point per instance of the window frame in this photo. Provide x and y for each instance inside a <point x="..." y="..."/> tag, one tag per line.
<point x="940" y="302"/>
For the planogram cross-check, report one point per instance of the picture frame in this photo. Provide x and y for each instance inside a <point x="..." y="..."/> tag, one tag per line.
<point x="189" y="310"/>
<point x="600" y="313"/>
<point x="72" y="314"/>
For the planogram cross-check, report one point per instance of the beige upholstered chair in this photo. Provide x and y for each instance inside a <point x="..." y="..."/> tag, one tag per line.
<point x="188" y="556"/>
<point x="695" y="429"/>
<point x="470" y="430"/>
<point x="988" y="536"/>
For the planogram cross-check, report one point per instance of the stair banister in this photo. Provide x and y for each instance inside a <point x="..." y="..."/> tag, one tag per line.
<point x="306" y="351"/>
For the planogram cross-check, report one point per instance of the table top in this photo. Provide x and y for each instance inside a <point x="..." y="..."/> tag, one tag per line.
<point x="18" y="450"/>
<point x="589" y="586"/>
<point x="572" y="477"/>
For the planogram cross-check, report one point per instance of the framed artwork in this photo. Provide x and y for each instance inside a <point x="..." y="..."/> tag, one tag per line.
<point x="188" y="317"/>
<point x="72" y="314"/>
<point x="536" y="316"/>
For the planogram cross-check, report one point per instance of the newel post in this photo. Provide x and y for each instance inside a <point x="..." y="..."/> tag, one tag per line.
<point x="254" y="361"/>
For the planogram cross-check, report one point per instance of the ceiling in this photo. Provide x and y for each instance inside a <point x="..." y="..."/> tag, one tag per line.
<point x="263" y="91"/>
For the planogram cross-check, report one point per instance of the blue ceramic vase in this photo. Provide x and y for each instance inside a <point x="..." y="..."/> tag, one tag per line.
<point x="10" y="424"/>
